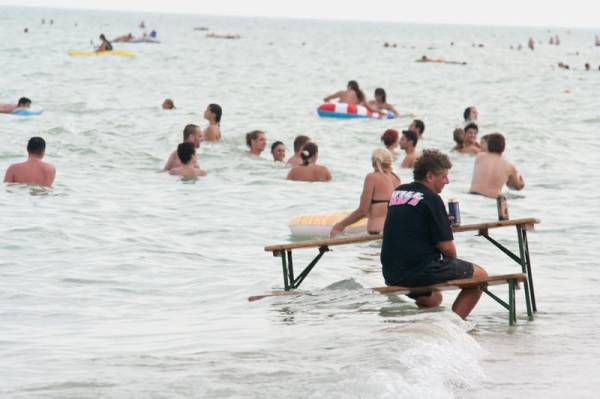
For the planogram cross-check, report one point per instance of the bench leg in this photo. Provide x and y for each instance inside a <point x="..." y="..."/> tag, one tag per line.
<point x="526" y="268"/>
<point x="511" y="305"/>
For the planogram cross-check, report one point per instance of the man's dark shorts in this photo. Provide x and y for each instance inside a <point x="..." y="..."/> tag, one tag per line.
<point x="438" y="271"/>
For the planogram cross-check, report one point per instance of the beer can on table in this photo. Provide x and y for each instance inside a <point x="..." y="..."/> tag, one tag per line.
<point x="454" y="211"/>
<point x="502" y="204"/>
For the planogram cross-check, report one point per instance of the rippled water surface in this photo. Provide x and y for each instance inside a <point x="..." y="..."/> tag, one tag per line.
<point x="122" y="281"/>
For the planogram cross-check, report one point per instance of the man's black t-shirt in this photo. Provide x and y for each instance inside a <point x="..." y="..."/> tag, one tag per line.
<point x="416" y="221"/>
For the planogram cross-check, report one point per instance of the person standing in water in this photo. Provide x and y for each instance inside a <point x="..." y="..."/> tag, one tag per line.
<point x="33" y="170"/>
<point x="213" y="115"/>
<point x="256" y="141"/>
<point x="309" y="170"/>
<point x="377" y="190"/>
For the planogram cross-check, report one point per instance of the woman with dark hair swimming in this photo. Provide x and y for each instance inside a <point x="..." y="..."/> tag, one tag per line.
<point x="309" y="170"/>
<point x="377" y="190"/>
<point x="352" y="95"/>
<point x="213" y="115"/>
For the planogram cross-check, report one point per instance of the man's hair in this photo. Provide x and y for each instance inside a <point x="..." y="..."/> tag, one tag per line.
<point x="299" y="142"/>
<point x="411" y="136"/>
<point x="36" y="146"/>
<point x="420" y="125"/>
<point x="185" y="151"/>
<point x="188" y="130"/>
<point x="253" y="135"/>
<point x="471" y="125"/>
<point x="496" y="143"/>
<point x="432" y="161"/>
<point x="23" y="101"/>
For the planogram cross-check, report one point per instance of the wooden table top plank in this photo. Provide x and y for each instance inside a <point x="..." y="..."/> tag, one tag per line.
<point x="527" y="223"/>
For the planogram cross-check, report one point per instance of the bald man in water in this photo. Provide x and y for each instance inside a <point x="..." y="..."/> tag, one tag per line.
<point x="33" y="170"/>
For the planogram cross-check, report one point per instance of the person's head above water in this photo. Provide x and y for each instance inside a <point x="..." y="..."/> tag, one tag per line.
<point x="278" y="151"/>
<point x="309" y="151"/>
<point x="36" y="146"/>
<point x="389" y="137"/>
<point x="216" y="110"/>
<point x="496" y="143"/>
<point x="299" y="142"/>
<point x="185" y="152"/>
<point x="24" y="102"/>
<point x="470" y="114"/>
<point x="382" y="160"/>
<point x="379" y="92"/>
<point x="168" y="104"/>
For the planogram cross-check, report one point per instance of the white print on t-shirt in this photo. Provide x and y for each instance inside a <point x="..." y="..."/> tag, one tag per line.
<point x="406" y="197"/>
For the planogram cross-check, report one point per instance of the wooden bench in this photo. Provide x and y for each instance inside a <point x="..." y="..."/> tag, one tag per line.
<point x="512" y="280"/>
<point x="291" y="281"/>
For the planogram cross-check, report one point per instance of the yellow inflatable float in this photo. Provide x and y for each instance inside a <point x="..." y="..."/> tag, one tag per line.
<point x="320" y="224"/>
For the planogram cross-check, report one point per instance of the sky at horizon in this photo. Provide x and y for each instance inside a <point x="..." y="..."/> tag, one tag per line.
<point x="572" y="14"/>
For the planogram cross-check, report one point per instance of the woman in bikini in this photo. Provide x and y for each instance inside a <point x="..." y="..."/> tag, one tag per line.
<point x="377" y="190"/>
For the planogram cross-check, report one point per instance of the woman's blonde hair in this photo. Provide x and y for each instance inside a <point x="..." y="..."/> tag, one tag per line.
<point x="382" y="160"/>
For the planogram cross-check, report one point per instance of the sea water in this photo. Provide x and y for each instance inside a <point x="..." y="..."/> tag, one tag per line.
<point x="124" y="282"/>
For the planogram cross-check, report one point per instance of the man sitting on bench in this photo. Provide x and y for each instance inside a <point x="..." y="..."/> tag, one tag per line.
<point x="418" y="247"/>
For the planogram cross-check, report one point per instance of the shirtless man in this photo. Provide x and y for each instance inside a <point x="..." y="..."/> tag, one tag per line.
<point x="191" y="134"/>
<point x="24" y="102"/>
<point x="491" y="171"/>
<point x="186" y="152"/>
<point x="32" y="171"/>
<point x="408" y="142"/>
<point x="299" y="142"/>
<point x="470" y="145"/>
<point x="418" y="127"/>
<point x="352" y="95"/>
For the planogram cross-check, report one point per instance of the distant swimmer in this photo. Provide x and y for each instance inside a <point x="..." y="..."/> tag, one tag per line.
<point x="105" y="45"/>
<point x="309" y="170"/>
<point x="380" y="102"/>
<point x="562" y="65"/>
<point x="256" y="141"/>
<point x="491" y="171"/>
<point x="439" y="61"/>
<point x="470" y="114"/>
<point x="186" y="152"/>
<point x="597" y="40"/>
<point x="142" y="25"/>
<point x="377" y="190"/>
<point x="278" y="151"/>
<point x="531" y="43"/>
<point x="408" y="142"/>
<point x="213" y="115"/>
<point x="191" y="134"/>
<point x="418" y="127"/>
<point x="33" y="170"/>
<point x="124" y="38"/>
<point x="23" y="102"/>
<point x="168" y="104"/>
<point x="352" y="95"/>
<point x="299" y="142"/>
